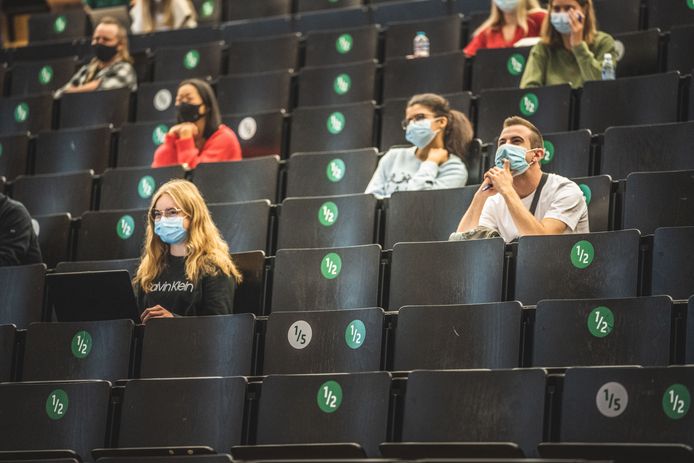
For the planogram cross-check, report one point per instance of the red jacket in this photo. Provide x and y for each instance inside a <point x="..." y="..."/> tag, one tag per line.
<point x="221" y="146"/>
<point x="494" y="38"/>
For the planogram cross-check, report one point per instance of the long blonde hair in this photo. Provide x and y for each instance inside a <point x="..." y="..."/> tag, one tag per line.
<point x="207" y="253"/>
<point x="551" y="37"/>
<point x="149" y="12"/>
<point x="496" y="17"/>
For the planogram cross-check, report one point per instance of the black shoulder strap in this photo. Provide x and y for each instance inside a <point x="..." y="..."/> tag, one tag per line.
<point x="538" y="192"/>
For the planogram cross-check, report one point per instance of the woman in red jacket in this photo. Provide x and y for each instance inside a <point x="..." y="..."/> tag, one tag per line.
<point x="199" y="135"/>
<point x="509" y="22"/>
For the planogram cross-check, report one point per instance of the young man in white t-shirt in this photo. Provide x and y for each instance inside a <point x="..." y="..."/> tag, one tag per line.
<point x="506" y="197"/>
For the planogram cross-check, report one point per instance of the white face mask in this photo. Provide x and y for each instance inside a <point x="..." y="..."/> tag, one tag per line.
<point x="507" y="6"/>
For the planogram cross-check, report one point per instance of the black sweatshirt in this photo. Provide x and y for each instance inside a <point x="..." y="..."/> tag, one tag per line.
<point x="213" y="295"/>
<point x="18" y="242"/>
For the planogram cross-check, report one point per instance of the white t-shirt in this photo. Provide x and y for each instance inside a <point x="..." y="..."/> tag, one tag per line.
<point x="560" y="199"/>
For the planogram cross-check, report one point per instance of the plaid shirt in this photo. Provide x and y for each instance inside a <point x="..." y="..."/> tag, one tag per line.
<point x="118" y="75"/>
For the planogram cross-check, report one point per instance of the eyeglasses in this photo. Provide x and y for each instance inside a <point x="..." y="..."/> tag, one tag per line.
<point x="168" y="213"/>
<point x="417" y="117"/>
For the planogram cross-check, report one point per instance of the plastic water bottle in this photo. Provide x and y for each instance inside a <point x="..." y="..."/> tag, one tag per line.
<point x="608" y="67"/>
<point x="421" y="45"/>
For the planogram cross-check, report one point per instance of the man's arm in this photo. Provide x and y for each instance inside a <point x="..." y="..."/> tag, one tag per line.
<point x="88" y="87"/>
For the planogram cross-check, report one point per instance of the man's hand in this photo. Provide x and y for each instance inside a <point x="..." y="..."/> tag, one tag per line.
<point x="155" y="312"/>
<point x="576" y="20"/>
<point x="438" y="155"/>
<point x="501" y="179"/>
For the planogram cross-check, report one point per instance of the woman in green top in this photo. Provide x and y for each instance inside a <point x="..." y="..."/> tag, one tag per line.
<point x="571" y="49"/>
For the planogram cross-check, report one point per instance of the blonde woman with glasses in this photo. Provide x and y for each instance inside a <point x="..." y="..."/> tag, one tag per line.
<point x="186" y="268"/>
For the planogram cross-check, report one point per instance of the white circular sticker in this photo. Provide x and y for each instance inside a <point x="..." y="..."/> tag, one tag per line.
<point x="612" y="399"/>
<point x="247" y="128"/>
<point x="619" y="48"/>
<point x="299" y="334"/>
<point x="162" y="100"/>
<point x="35" y="225"/>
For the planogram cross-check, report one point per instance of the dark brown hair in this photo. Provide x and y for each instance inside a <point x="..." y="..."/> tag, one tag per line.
<point x="536" y="140"/>
<point x="213" y="118"/>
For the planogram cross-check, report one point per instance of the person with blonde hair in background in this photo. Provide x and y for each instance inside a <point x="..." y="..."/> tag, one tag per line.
<point x="162" y="15"/>
<point x="186" y="268"/>
<point x="508" y="22"/>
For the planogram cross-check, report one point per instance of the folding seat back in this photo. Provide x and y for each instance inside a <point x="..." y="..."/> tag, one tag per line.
<point x="156" y="101"/>
<point x="138" y="142"/>
<point x="247" y="93"/>
<point x="326" y="278"/>
<point x="498" y="68"/>
<point x="244" y="226"/>
<point x="44" y="76"/>
<point x="247" y="10"/>
<point x="584" y="265"/>
<point x="629" y="101"/>
<point x="341" y="46"/>
<point x="658" y="199"/>
<point x="404" y="77"/>
<point x="330" y="173"/>
<point x="312" y="5"/>
<point x="54" y="234"/>
<point x="567" y="153"/>
<point x="470" y="336"/>
<point x="259" y="134"/>
<point x="70" y="193"/>
<point x="329" y="128"/>
<point x="338" y="84"/>
<point x="21" y="300"/>
<point x="647" y="148"/>
<point x="94" y="108"/>
<point x="619" y="17"/>
<point x="337" y="408"/>
<point x="433" y="223"/>
<point x="63" y="25"/>
<point x="246" y="180"/>
<point x="7" y="342"/>
<point x="183" y="412"/>
<point x="415" y="280"/>
<point x="250" y="295"/>
<point x="597" y="192"/>
<point x="332" y="19"/>
<point x="180" y="347"/>
<point x="71" y="150"/>
<point x="327" y="221"/>
<point x="679" y="56"/>
<point x="249" y="56"/>
<point x="189" y="61"/>
<point x="78" y="350"/>
<point x="133" y="187"/>
<point x="54" y="416"/>
<point x="673" y="248"/>
<point x="209" y="12"/>
<point x="444" y="35"/>
<point x="19" y="114"/>
<point x="468" y="7"/>
<point x="585" y="332"/>
<point x="388" y="12"/>
<point x="638" y="53"/>
<point x="549" y="108"/>
<point x="668" y="13"/>
<point x="130" y="265"/>
<point x="49" y="50"/>
<point x="257" y="28"/>
<point x="305" y="342"/>
<point x="14" y="153"/>
<point x="111" y="234"/>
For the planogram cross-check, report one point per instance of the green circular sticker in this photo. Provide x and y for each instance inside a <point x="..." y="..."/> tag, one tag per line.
<point x="600" y="321"/>
<point x="46" y="75"/>
<point x="81" y="344"/>
<point x="690" y="4"/>
<point x="549" y="152"/>
<point x="355" y="334"/>
<point x="344" y="43"/>
<point x="582" y="254"/>
<point x="56" y="404"/>
<point x="207" y="9"/>
<point x="335" y="170"/>
<point x="146" y="186"/>
<point x="60" y="24"/>
<point x="529" y="104"/>
<point x="159" y="134"/>
<point x="342" y="84"/>
<point x="587" y="194"/>
<point x="331" y="265"/>
<point x="329" y="396"/>
<point x="336" y="122"/>
<point x="676" y="401"/>
<point x="191" y="59"/>
<point x="327" y="214"/>
<point x="515" y="64"/>
<point x="21" y="112"/>
<point x="125" y="227"/>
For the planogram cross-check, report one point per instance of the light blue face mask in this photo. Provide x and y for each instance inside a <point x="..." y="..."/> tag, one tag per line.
<point x="420" y="133"/>
<point x="560" y="21"/>
<point x="516" y="157"/>
<point x="170" y="230"/>
<point x="507" y="6"/>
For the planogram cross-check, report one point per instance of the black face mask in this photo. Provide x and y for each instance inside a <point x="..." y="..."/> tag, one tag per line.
<point x="186" y="112"/>
<point x="104" y="53"/>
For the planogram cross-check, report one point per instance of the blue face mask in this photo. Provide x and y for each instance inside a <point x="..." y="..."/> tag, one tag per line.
<point x="507" y="6"/>
<point x="420" y="133"/>
<point x="516" y="157"/>
<point x="170" y="230"/>
<point x="560" y="21"/>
